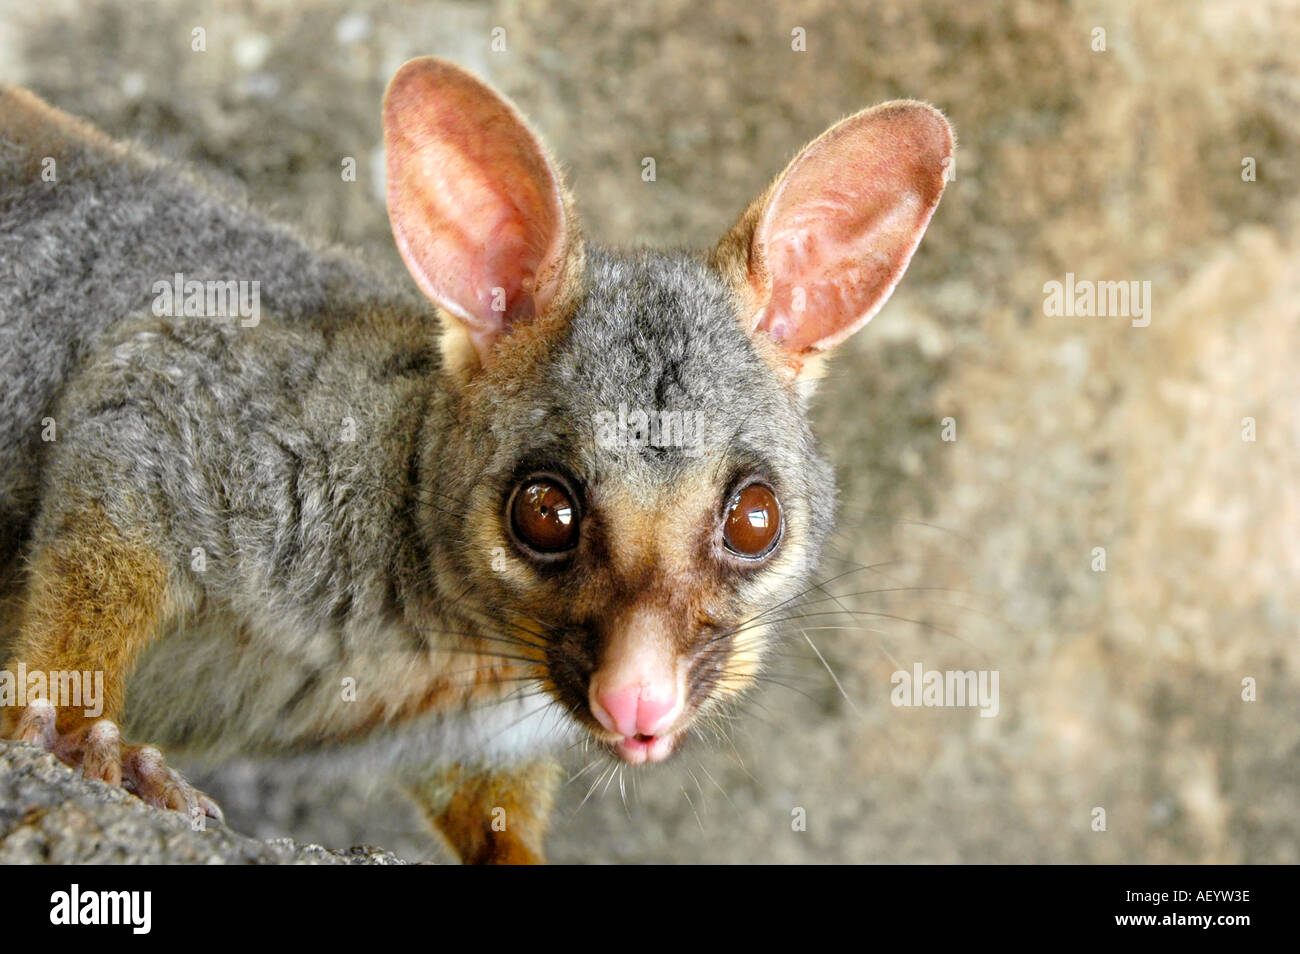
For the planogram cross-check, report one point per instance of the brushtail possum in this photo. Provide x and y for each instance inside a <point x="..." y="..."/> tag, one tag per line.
<point x="282" y="503"/>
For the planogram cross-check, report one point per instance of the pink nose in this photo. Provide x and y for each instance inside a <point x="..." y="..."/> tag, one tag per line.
<point x="636" y="710"/>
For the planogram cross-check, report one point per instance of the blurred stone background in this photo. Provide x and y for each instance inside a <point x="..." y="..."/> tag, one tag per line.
<point x="1119" y="689"/>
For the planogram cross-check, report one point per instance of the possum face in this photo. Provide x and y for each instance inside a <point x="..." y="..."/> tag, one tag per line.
<point x="626" y="485"/>
<point x="652" y="492"/>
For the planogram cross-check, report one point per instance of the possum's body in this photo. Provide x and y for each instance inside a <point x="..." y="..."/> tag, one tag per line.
<point x="82" y="250"/>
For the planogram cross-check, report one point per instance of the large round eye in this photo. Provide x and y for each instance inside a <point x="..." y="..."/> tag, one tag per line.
<point x="752" y="522"/>
<point x="542" y="515"/>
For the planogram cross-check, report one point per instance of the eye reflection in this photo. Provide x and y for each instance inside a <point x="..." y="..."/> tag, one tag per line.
<point x="541" y="497"/>
<point x="543" y="517"/>
<point x="753" y="522"/>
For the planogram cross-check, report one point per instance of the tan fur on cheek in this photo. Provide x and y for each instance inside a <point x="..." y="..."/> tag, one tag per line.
<point x="744" y="662"/>
<point x="490" y="546"/>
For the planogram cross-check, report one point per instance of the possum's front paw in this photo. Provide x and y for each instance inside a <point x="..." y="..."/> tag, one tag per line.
<point x="97" y="749"/>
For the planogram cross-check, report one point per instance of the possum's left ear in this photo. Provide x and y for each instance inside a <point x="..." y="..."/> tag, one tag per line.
<point x="818" y="254"/>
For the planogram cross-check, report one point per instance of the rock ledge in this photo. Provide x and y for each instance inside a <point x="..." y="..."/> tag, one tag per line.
<point x="51" y="815"/>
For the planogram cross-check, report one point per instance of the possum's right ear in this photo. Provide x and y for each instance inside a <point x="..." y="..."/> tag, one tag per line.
<point x="478" y="210"/>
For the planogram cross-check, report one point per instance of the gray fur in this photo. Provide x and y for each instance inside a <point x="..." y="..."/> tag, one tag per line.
<point x="327" y="557"/>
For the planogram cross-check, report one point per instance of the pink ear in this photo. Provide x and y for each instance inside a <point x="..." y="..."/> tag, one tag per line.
<point x="842" y="222"/>
<point x="476" y="207"/>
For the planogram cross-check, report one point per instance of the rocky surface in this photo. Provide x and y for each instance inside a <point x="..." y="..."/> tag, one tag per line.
<point x="51" y="815"/>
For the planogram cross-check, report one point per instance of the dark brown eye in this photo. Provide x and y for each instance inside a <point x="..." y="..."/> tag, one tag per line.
<point x="543" y="517"/>
<point x="752" y="522"/>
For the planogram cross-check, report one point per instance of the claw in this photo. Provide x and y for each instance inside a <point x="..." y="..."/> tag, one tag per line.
<point x="98" y="751"/>
<point x="147" y="775"/>
<point x="102" y="755"/>
<point x="211" y="808"/>
<point x="37" y="725"/>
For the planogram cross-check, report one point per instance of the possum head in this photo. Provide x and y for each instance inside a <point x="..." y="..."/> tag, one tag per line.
<point x="628" y="488"/>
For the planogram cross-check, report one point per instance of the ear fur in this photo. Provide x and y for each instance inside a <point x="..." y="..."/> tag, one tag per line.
<point x="478" y="209"/>
<point x="820" y="251"/>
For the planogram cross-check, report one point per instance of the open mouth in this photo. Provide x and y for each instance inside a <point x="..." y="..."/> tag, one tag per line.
<point x="636" y="749"/>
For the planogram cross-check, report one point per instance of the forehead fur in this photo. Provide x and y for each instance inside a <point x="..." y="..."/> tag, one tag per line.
<point x="659" y="332"/>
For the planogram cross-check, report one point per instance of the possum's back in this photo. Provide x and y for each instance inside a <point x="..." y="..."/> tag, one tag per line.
<point x="87" y="227"/>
